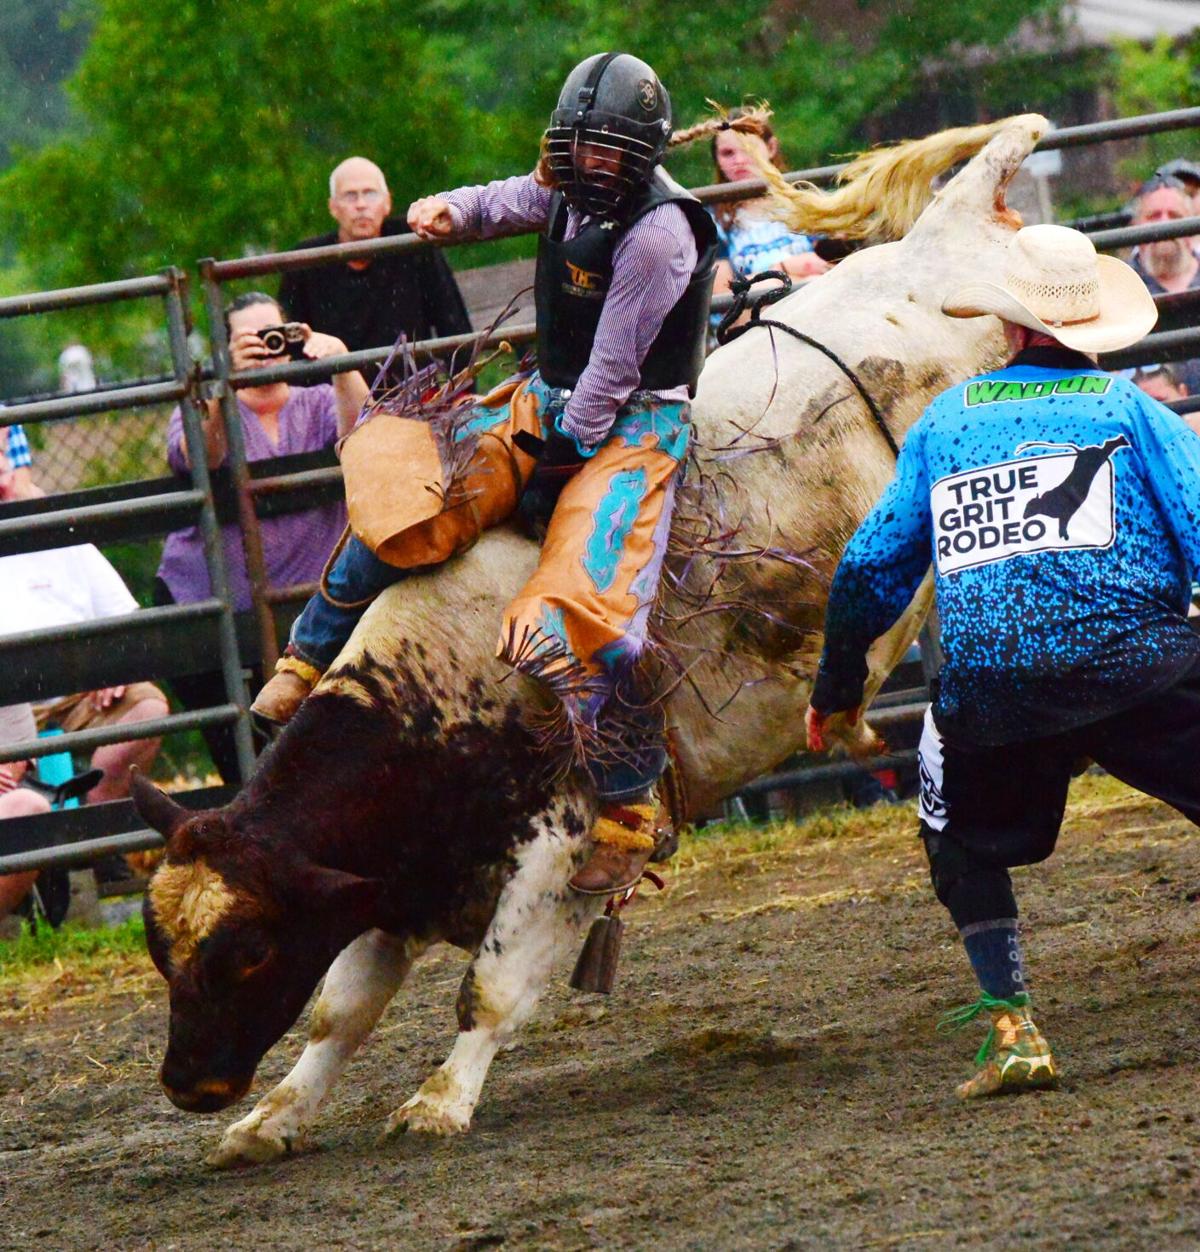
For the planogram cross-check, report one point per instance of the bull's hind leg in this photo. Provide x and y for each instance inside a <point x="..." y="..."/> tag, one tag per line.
<point x="357" y="989"/>
<point x="537" y="921"/>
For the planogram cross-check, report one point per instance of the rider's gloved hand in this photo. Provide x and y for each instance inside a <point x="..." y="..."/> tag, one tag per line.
<point x="559" y="458"/>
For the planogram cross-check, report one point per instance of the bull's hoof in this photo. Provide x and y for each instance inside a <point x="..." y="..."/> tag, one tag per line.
<point x="242" y="1146"/>
<point x="425" y="1116"/>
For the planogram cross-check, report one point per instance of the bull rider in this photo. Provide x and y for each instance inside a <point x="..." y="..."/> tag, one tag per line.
<point x="592" y="442"/>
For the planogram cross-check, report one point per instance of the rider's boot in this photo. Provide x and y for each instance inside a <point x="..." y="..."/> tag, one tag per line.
<point x="625" y="835"/>
<point x="1015" y="1055"/>
<point x="284" y="693"/>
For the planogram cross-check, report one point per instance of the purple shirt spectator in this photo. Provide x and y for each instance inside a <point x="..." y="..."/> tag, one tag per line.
<point x="652" y="265"/>
<point x="295" y="545"/>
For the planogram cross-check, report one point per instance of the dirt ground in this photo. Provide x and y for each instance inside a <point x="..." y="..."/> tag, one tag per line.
<point x="766" y="1076"/>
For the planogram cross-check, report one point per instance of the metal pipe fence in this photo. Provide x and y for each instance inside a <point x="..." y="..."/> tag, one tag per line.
<point x="165" y="509"/>
<point x="1166" y="346"/>
<point x="183" y="386"/>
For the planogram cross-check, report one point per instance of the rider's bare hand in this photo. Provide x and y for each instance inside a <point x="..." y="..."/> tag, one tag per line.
<point x="430" y="218"/>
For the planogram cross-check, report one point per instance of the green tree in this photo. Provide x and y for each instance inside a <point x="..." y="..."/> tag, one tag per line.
<point x="208" y="127"/>
<point x="1151" y="80"/>
<point x="40" y="44"/>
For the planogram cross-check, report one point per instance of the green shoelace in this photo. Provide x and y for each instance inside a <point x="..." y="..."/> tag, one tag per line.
<point x="956" y="1019"/>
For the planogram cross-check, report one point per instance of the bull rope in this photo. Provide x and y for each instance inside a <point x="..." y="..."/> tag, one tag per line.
<point x="727" y="332"/>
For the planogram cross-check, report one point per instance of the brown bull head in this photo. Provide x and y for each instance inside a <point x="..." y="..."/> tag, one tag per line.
<point x="242" y="927"/>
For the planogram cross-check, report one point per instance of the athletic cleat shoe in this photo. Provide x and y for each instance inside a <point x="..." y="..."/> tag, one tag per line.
<point x="1015" y="1055"/>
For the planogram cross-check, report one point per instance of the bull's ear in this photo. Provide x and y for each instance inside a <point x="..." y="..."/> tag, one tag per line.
<point x="155" y="806"/>
<point x="335" y="891"/>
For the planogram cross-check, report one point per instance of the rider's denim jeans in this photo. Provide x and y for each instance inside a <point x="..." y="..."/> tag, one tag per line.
<point x="322" y="629"/>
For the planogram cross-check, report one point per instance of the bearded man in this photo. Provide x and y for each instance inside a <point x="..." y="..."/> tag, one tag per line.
<point x="1167" y="265"/>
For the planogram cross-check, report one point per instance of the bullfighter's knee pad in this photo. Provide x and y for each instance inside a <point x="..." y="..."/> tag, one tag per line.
<point x="972" y="889"/>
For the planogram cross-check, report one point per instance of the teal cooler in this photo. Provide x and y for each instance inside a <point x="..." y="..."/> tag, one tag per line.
<point x="57" y="768"/>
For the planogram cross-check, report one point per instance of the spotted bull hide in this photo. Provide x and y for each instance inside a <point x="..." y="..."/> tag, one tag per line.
<point x="408" y="804"/>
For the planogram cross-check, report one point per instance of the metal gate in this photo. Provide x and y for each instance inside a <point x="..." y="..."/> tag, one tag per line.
<point x="165" y="642"/>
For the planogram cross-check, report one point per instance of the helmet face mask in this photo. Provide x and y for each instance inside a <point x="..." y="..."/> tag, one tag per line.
<point x="607" y="134"/>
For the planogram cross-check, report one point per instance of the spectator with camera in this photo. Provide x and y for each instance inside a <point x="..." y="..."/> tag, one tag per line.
<point x="278" y="419"/>
<point x="368" y="303"/>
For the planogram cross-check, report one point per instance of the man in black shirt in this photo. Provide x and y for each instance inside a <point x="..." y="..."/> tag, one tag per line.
<point x="368" y="303"/>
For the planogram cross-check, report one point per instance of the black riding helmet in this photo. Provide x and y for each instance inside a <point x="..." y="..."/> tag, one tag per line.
<point x="608" y="132"/>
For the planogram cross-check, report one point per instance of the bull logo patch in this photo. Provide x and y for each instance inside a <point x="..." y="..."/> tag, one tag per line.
<point x="647" y="94"/>
<point x="1062" y="500"/>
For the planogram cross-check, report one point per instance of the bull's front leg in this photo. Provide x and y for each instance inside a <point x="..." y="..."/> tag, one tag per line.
<point x="358" y="986"/>
<point x="537" y="921"/>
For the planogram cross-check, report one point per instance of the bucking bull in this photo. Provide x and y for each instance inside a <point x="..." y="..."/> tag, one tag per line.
<point x="409" y="803"/>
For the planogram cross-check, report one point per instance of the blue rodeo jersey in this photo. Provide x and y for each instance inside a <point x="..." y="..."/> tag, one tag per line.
<point x="1061" y="509"/>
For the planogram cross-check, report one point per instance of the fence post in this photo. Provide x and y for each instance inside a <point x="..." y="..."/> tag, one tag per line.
<point x="256" y="566"/>
<point x="178" y="326"/>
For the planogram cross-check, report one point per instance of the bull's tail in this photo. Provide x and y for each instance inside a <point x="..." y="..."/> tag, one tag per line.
<point x="882" y="192"/>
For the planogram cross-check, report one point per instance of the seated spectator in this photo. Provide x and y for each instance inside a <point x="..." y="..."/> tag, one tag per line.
<point x="751" y="239"/>
<point x="277" y="419"/>
<point x="60" y="587"/>
<point x="16" y="725"/>
<point x="369" y="303"/>
<point x="1164" y="383"/>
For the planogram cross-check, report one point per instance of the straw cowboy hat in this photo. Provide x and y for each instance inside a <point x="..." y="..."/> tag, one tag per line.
<point x="1057" y="283"/>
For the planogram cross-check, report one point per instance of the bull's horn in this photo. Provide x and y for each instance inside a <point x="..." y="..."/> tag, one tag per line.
<point x="155" y="806"/>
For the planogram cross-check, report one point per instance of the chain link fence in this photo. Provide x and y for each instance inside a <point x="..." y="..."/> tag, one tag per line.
<point x="96" y="451"/>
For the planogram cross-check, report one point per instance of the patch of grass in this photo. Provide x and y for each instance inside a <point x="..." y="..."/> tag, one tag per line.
<point x="72" y="944"/>
<point x="725" y="841"/>
<point x="72" y="966"/>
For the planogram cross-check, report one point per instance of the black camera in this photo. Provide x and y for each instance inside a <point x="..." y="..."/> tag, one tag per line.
<point x="286" y="340"/>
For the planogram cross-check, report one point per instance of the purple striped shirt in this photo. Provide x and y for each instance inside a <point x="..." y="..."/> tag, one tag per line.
<point x="295" y="545"/>
<point x="652" y="264"/>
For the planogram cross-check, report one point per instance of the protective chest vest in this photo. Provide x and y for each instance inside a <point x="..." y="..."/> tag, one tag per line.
<point x="572" y="281"/>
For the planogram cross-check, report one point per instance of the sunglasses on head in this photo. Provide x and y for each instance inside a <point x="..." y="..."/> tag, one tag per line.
<point x="1155" y="181"/>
